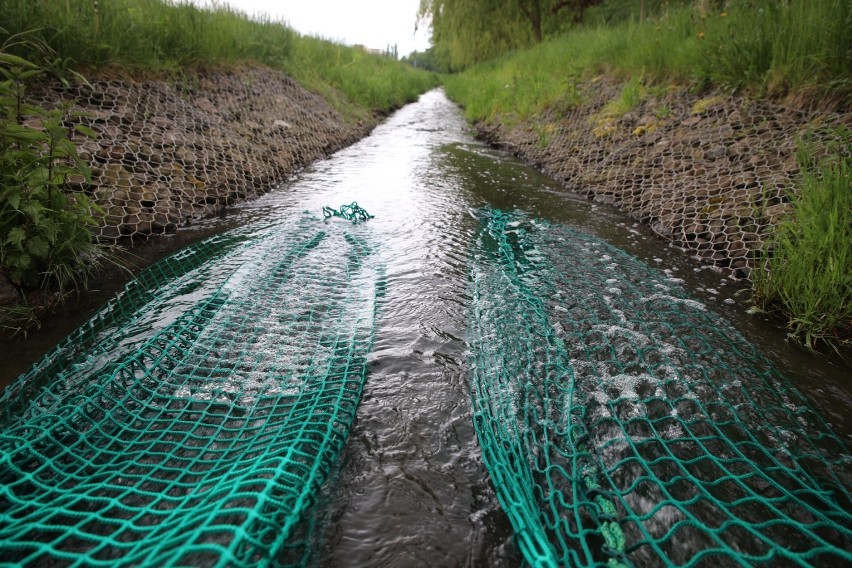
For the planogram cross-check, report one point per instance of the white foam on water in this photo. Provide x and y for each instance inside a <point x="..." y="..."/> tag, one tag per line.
<point x="619" y="314"/>
<point x="675" y="300"/>
<point x="637" y="338"/>
<point x="279" y="352"/>
<point x="673" y="430"/>
<point x="623" y="384"/>
<point x="235" y="282"/>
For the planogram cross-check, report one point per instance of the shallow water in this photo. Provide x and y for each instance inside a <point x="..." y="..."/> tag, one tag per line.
<point x="411" y="489"/>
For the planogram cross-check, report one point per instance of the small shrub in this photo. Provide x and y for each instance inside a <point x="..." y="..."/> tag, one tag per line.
<point x="45" y="237"/>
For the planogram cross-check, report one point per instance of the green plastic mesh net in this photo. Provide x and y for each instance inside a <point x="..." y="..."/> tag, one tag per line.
<point x="624" y="423"/>
<point x="193" y="419"/>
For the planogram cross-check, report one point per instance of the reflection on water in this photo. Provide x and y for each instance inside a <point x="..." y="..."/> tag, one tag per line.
<point x="411" y="489"/>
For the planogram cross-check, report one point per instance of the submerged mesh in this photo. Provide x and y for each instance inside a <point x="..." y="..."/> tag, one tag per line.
<point x="623" y="423"/>
<point x="194" y="418"/>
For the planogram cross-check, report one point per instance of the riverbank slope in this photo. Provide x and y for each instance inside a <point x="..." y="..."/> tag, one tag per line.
<point x="724" y="126"/>
<point x="168" y="152"/>
<point x="713" y="174"/>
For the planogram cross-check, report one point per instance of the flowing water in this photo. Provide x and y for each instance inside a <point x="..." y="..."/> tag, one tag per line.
<point x="410" y="488"/>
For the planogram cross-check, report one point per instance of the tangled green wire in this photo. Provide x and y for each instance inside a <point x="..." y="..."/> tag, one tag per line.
<point x="352" y="212"/>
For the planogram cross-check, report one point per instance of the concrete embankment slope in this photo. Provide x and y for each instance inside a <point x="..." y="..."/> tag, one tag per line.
<point x="710" y="173"/>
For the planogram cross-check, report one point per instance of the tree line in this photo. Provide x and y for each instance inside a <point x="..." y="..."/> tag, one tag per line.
<point x="465" y="32"/>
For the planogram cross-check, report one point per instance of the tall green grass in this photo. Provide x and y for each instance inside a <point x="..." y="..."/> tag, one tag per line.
<point x="527" y="82"/>
<point x="765" y="48"/>
<point x="808" y="262"/>
<point x="148" y="34"/>
<point x="158" y="36"/>
<point x="782" y="47"/>
<point x="370" y="81"/>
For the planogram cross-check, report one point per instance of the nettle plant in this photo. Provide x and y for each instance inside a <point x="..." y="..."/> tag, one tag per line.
<point x="45" y="229"/>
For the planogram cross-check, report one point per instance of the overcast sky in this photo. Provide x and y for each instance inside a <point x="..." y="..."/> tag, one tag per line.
<point x="373" y="23"/>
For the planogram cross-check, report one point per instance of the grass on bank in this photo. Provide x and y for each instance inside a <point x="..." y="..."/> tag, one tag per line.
<point x="370" y="81"/>
<point x="798" y="47"/>
<point x="807" y="274"/>
<point x="156" y="36"/>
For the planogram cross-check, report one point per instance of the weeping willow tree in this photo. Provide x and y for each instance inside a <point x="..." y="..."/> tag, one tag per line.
<point x="465" y="32"/>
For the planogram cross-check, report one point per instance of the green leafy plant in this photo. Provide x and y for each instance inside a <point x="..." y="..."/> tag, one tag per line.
<point x="45" y="229"/>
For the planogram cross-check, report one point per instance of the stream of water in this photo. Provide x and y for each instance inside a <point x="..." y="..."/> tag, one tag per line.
<point x="411" y="489"/>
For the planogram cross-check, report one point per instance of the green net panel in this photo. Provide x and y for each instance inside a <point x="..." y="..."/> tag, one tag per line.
<point x="194" y="418"/>
<point x="623" y="423"/>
